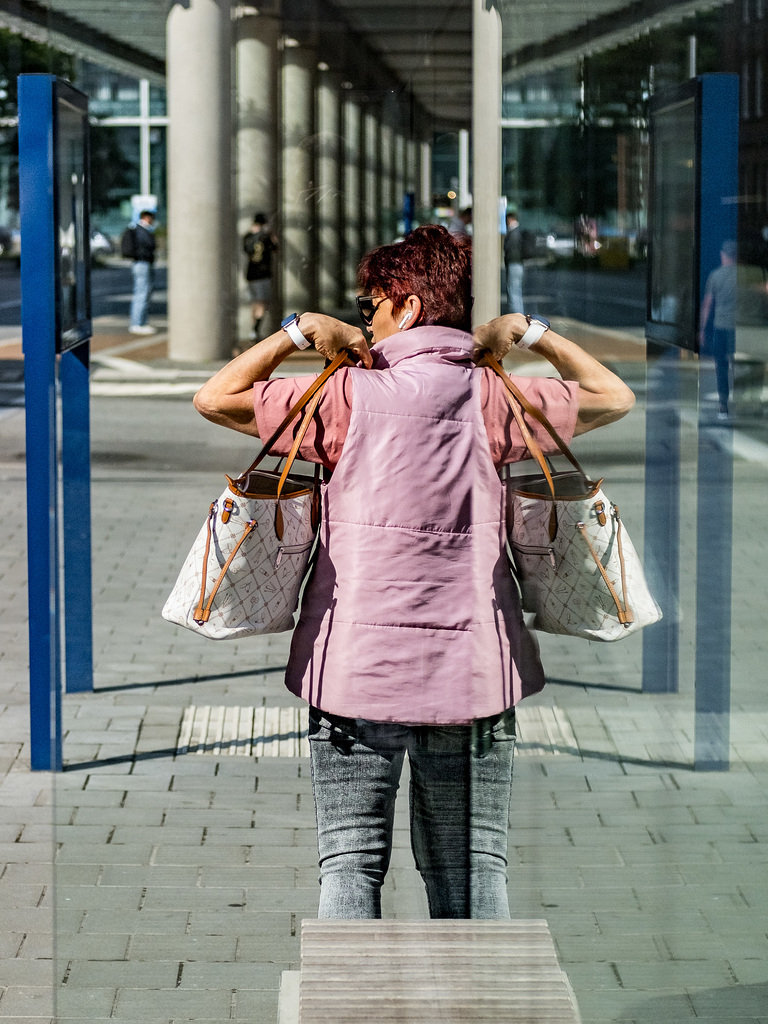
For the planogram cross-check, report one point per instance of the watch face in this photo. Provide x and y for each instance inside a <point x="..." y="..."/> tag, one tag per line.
<point x="289" y="319"/>
<point x="540" y="320"/>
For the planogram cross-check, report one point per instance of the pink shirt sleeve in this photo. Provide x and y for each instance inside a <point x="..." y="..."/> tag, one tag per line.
<point x="324" y="439"/>
<point x="557" y="399"/>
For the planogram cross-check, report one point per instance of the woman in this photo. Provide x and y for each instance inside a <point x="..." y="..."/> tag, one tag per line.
<point x="411" y="637"/>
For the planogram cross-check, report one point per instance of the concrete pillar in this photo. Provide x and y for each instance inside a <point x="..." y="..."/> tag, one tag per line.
<point x="200" y="299"/>
<point x="424" y="198"/>
<point x="298" y="180"/>
<point x="387" y="182"/>
<point x="329" y="193"/>
<point x="411" y="158"/>
<point x="465" y="193"/>
<point x="353" y="209"/>
<point x="486" y="141"/>
<point x="372" y="174"/>
<point x="257" y="70"/>
<point x="400" y="178"/>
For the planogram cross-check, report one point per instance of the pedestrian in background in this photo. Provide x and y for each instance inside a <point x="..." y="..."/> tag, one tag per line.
<point x="513" y="261"/>
<point x="720" y="296"/>
<point x="259" y="245"/>
<point x="139" y="244"/>
<point x="460" y="223"/>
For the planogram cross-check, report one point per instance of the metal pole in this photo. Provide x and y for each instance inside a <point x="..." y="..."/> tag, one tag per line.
<point x="38" y="314"/>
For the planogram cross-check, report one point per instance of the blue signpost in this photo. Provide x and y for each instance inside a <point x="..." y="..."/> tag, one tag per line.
<point x="56" y="327"/>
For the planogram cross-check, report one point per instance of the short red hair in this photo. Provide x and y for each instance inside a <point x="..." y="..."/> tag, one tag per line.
<point x="431" y="263"/>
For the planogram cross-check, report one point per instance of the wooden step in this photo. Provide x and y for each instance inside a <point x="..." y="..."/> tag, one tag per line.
<point x="427" y="972"/>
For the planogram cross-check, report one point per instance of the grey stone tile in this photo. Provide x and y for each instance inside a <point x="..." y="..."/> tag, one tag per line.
<point x="14" y="897"/>
<point x="191" y="898"/>
<point x="121" y="974"/>
<point x="28" y="1001"/>
<point x="675" y="974"/>
<point x="148" y="875"/>
<point x="210" y="949"/>
<point x="240" y="923"/>
<point x="256" y="1007"/>
<point x="181" y="1004"/>
<point x="608" y="948"/>
<point x="146" y="922"/>
<point x="10" y="943"/>
<point x="83" y="946"/>
<point x="84" y="1003"/>
<point x="119" y="853"/>
<point x="232" y="975"/>
<point x="26" y="919"/>
<point x="738" y="1000"/>
<point x="22" y="972"/>
<point x="123" y="898"/>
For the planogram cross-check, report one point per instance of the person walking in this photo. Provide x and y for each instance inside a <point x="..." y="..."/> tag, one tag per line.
<point x="513" y="261"/>
<point x="143" y="255"/>
<point x="720" y="297"/>
<point x="460" y="223"/>
<point x="259" y="245"/>
<point x="411" y="637"/>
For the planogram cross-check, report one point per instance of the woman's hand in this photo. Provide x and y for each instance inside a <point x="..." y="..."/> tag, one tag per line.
<point x="498" y="335"/>
<point x="330" y="336"/>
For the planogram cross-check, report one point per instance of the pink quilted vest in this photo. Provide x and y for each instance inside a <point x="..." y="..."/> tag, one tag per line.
<point x="411" y="614"/>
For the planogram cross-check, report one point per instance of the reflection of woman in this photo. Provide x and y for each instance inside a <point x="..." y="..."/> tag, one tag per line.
<point x="411" y="637"/>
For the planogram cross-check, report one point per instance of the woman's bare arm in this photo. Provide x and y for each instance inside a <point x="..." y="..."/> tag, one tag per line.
<point x="603" y="397"/>
<point x="227" y="398"/>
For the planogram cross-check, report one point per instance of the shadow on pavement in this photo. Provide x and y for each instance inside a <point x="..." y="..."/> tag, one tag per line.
<point x="190" y="679"/>
<point x="582" y="685"/>
<point x="734" y="1002"/>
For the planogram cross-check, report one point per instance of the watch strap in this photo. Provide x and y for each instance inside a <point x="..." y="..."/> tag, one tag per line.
<point x="293" y="331"/>
<point x="532" y="334"/>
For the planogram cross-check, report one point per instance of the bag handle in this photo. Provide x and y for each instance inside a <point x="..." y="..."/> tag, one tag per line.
<point x="532" y="411"/>
<point x="309" y="413"/>
<point x="516" y="399"/>
<point x="314" y="389"/>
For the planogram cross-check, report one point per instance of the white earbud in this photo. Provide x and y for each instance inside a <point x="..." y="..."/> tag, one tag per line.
<point x="404" y="321"/>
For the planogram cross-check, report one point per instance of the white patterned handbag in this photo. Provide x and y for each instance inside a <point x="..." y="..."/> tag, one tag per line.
<point x="246" y="567"/>
<point x="578" y="570"/>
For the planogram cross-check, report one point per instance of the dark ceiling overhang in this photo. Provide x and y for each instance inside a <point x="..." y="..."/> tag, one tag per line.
<point x="418" y="54"/>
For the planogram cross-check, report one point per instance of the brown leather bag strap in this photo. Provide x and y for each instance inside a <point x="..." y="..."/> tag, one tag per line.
<point x="316" y="387"/>
<point x="532" y="411"/>
<point x="291" y="458"/>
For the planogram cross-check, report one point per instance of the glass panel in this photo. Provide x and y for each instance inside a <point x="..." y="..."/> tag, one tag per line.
<point x="110" y="94"/>
<point x="185" y="836"/>
<point x="115" y="156"/>
<point x="157" y="103"/>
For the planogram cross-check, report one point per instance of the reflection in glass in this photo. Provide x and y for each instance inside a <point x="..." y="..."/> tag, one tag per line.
<point x="673" y="249"/>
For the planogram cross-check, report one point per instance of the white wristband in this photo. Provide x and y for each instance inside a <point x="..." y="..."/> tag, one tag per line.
<point x="533" y="333"/>
<point x="293" y="331"/>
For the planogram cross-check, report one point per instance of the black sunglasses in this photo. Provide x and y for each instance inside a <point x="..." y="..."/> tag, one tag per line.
<point x="367" y="306"/>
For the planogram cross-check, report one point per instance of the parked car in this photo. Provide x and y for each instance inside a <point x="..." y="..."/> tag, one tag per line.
<point x="10" y="242"/>
<point x="101" y="244"/>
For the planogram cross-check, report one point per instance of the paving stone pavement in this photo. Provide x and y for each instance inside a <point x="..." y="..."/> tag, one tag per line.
<point x="172" y="886"/>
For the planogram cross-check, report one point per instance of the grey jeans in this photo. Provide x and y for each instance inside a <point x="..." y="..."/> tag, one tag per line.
<point x="515" y="273"/>
<point x="461" y="779"/>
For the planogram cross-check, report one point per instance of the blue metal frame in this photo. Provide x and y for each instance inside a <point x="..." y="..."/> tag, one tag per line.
<point x="718" y="187"/>
<point x="52" y="507"/>
<point x="716" y="122"/>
